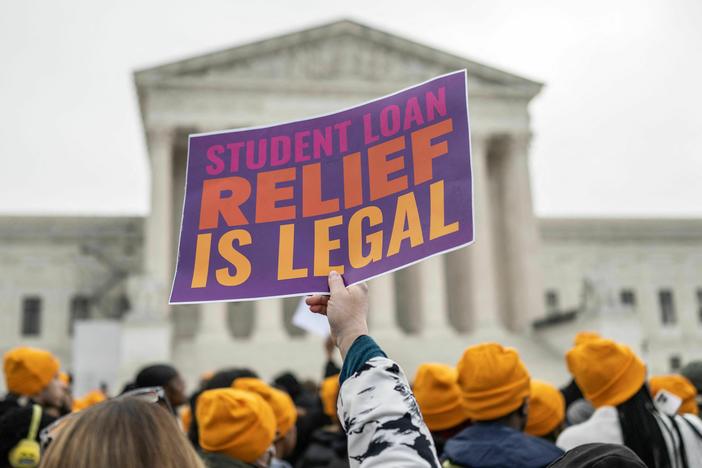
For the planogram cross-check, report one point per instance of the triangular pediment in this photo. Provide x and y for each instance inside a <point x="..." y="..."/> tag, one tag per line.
<point x="343" y="51"/>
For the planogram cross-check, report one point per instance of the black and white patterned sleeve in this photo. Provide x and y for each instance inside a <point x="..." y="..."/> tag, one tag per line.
<point x="382" y="420"/>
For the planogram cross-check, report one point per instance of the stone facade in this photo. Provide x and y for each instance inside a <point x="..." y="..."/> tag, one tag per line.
<point x="493" y="290"/>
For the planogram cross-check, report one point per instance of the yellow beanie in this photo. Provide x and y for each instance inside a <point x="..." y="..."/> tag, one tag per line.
<point x="546" y="409"/>
<point x="679" y="386"/>
<point x="281" y="403"/>
<point x="493" y="380"/>
<point x="64" y="378"/>
<point x="608" y="373"/>
<point x="439" y="396"/>
<point x="583" y="336"/>
<point x="89" y="399"/>
<point x="236" y="423"/>
<point x="329" y="393"/>
<point x="29" y="370"/>
<point x="186" y="418"/>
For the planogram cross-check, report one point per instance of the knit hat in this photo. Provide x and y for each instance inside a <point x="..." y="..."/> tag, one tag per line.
<point x="583" y="336"/>
<point x="29" y="370"/>
<point x="90" y="399"/>
<point x="236" y="423"/>
<point x="439" y="396"/>
<point x="493" y="380"/>
<point x="678" y="386"/>
<point x="607" y="372"/>
<point x="281" y="403"/>
<point x="329" y="393"/>
<point x="546" y="409"/>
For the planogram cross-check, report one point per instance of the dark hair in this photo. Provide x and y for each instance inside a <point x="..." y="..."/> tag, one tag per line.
<point x="641" y="431"/>
<point x="14" y="426"/>
<point x="221" y="379"/>
<point x="157" y="375"/>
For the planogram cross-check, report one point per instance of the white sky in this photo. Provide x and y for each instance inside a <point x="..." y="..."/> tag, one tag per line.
<point x="618" y="128"/>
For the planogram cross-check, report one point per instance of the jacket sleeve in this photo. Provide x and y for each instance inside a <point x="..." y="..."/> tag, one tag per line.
<point x="382" y="420"/>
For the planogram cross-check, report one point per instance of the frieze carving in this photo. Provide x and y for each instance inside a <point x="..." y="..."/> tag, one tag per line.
<point x="342" y="58"/>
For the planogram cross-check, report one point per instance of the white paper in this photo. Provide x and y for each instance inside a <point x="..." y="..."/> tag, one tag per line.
<point x="316" y="324"/>
<point x="667" y="402"/>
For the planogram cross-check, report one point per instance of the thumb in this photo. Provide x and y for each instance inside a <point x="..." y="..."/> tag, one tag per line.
<point x="336" y="283"/>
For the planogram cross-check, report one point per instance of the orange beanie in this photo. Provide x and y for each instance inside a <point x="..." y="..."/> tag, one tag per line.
<point x="329" y="393"/>
<point x="29" y="370"/>
<point x="546" y="409"/>
<point x="186" y="418"/>
<point x="583" y="336"/>
<point x="236" y="423"/>
<point x="89" y="399"/>
<point x="493" y="380"/>
<point x="281" y="403"/>
<point x="439" y="396"/>
<point x="608" y="373"/>
<point x="678" y="386"/>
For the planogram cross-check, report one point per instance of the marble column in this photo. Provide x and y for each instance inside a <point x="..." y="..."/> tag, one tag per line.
<point x="381" y="316"/>
<point x="433" y="300"/>
<point x="268" y="320"/>
<point x="470" y="271"/>
<point x="521" y="268"/>
<point x="213" y="323"/>
<point x="158" y="249"/>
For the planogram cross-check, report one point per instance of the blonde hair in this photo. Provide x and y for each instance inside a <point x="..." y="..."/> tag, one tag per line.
<point x="121" y="433"/>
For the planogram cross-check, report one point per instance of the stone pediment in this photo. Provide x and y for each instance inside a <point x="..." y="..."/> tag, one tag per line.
<point x="340" y="52"/>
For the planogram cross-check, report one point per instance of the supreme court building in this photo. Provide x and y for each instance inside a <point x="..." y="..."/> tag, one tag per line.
<point x="527" y="282"/>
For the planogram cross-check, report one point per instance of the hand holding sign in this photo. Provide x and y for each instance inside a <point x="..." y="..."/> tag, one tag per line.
<point x="346" y="309"/>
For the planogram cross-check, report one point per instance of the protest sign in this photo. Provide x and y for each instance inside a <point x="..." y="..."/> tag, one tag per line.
<point x="270" y="211"/>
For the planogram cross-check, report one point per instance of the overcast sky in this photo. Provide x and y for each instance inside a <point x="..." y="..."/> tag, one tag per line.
<point x="618" y="127"/>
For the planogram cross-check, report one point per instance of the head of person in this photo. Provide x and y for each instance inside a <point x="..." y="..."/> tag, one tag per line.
<point x="494" y="385"/>
<point x="692" y="371"/>
<point x="16" y="427"/>
<point x="546" y="411"/>
<point x="288" y="382"/>
<point x="237" y="424"/>
<point x="166" y="376"/>
<point x="611" y="374"/>
<point x="121" y="433"/>
<point x="678" y="386"/>
<point x="223" y="378"/>
<point x="599" y="455"/>
<point x="439" y="397"/>
<point x="329" y="394"/>
<point x="583" y="336"/>
<point x="34" y="373"/>
<point x="283" y="409"/>
<point x="91" y="398"/>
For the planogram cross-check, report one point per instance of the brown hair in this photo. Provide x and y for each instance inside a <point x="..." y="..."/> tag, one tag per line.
<point x="121" y="433"/>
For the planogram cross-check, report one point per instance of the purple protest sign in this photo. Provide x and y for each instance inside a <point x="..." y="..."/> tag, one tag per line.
<point x="269" y="211"/>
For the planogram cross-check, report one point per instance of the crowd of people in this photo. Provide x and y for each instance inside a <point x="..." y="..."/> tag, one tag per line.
<point x="486" y="410"/>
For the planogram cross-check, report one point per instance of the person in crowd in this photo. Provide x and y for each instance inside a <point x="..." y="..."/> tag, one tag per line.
<point x="599" y="456"/>
<point x="376" y="407"/>
<point x="223" y="378"/>
<point x="692" y="371"/>
<point x="285" y="416"/>
<point x="546" y="415"/>
<point x="236" y="428"/>
<point x="19" y="436"/>
<point x="439" y="397"/>
<point x="495" y="387"/>
<point x="120" y="433"/>
<point x="571" y="392"/>
<point x="328" y="444"/>
<point x="32" y="376"/>
<point x="167" y="377"/>
<point x="91" y="398"/>
<point x="678" y="386"/>
<point x="612" y="377"/>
